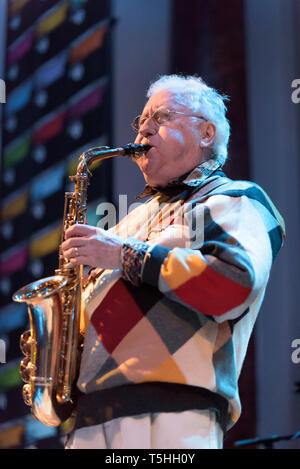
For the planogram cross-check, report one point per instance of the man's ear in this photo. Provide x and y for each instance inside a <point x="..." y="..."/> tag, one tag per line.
<point x="208" y="134"/>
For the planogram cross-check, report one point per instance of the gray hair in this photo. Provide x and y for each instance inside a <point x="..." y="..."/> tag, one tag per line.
<point x="193" y="92"/>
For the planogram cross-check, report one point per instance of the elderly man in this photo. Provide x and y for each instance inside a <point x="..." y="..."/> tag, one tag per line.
<point x="175" y="287"/>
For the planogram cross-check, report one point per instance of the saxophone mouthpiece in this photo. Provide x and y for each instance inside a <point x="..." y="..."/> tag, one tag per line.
<point x="135" y="149"/>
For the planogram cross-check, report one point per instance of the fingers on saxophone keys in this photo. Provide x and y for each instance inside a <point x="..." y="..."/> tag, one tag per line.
<point x="75" y="256"/>
<point x="77" y="261"/>
<point x="78" y="230"/>
<point x="71" y="243"/>
<point x="72" y="253"/>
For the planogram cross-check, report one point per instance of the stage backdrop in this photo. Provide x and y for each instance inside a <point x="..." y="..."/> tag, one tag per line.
<point x="58" y="82"/>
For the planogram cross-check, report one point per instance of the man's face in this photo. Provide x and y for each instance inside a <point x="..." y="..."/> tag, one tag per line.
<point x="176" y="146"/>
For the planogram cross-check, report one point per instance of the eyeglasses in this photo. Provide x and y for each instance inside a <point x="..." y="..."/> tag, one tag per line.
<point x="160" y="116"/>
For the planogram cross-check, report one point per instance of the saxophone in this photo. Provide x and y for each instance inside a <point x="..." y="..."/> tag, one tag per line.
<point x="52" y="345"/>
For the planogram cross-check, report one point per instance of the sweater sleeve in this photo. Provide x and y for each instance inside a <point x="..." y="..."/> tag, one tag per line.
<point x="227" y="264"/>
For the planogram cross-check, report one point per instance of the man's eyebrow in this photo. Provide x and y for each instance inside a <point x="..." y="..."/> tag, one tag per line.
<point x="148" y="113"/>
<point x="151" y="111"/>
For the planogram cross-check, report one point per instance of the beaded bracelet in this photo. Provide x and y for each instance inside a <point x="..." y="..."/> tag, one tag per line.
<point x="132" y="256"/>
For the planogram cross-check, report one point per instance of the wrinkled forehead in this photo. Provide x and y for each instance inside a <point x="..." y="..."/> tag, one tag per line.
<point x="168" y="99"/>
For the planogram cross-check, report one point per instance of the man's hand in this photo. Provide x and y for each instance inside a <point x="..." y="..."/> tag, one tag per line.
<point x="92" y="246"/>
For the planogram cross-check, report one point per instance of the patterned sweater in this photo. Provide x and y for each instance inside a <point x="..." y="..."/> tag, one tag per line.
<point x="171" y="329"/>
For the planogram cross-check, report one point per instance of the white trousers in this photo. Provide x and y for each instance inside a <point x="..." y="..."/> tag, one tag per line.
<point x="177" y="430"/>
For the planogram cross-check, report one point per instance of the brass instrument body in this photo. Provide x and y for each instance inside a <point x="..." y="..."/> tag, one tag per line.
<point x="51" y="347"/>
<point x="40" y="346"/>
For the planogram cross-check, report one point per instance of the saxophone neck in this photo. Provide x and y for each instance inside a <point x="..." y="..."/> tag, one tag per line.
<point x="101" y="153"/>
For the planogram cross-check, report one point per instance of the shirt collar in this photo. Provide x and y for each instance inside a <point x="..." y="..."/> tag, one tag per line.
<point x="192" y="179"/>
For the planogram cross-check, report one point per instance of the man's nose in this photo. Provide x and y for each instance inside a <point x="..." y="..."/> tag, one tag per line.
<point x="149" y="127"/>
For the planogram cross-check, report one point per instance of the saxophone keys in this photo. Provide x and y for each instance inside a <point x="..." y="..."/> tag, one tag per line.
<point x="27" y="394"/>
<point x="26" y="342"/>
<point x="27" y="369"/>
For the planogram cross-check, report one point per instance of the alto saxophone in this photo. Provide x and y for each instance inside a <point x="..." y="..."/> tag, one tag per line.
<point x="52" y="345"/>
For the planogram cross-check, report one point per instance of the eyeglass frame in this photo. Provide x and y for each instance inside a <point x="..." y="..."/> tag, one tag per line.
<point x="170" y="111"/>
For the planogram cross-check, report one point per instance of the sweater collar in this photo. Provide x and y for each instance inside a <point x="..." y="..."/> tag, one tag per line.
<point x="192" y="179"/>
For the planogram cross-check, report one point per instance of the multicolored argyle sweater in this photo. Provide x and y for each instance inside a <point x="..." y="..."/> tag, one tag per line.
<point x="170" y="331"/>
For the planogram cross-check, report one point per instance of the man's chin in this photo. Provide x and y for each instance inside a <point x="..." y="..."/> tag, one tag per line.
<point x="151" y="172"/>
<point x="154" y="181"/>
<point x="149" y="180"/>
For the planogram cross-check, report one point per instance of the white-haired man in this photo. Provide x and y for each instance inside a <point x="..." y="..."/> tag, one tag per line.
<point x="176" y="285"/>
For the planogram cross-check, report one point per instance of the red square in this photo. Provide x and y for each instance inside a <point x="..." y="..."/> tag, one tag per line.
<point x="212" y="293"/>
<point x="116" y="315"/>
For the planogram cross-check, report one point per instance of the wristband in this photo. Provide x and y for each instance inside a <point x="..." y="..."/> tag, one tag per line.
<point x="132" y="257"/>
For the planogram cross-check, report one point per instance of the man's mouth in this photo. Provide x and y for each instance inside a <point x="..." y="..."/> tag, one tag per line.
<point x="147" y="147"/>
<point x="137" y="156"/>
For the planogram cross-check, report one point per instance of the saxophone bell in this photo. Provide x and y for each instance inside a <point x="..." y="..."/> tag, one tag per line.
<point x="40" y="345"/>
